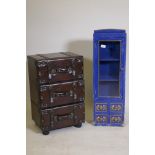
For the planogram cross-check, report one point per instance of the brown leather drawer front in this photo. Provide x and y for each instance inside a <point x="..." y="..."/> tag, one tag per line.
<point x="63" y="116"/>
<point x="60" y="70"/>
<point x="61" y="93"/>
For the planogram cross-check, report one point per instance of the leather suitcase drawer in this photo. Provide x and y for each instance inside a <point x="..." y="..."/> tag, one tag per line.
<point x="61" y="93"/>
<point x="63" y="116"/>
<point x="57" y="70"/>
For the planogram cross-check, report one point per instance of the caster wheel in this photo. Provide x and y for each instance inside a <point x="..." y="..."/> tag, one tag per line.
<point x="45" y="132"/>
<point x="78" y="125"/>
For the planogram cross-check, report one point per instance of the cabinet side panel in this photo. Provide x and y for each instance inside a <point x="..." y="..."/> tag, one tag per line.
<point x="34" y="87"/>
<point x="34" y="90"/>
<point x="36" y="115"/>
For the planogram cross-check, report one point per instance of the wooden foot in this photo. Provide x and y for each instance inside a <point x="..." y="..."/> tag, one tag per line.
<point x="45" y="132"/>
<point x="78" y="125"/>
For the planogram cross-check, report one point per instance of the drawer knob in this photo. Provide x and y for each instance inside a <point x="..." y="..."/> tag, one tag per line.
<point x="99" y="119"/>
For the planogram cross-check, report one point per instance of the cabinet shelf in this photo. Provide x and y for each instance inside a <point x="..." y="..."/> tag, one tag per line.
<point x="109" y="78"/>
<point x="109" y="59"/>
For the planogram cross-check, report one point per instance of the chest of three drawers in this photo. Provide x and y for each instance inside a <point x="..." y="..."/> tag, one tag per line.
<point x="57" y="90"/>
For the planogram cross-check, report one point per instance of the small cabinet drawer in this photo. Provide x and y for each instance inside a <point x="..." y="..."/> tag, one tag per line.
<point x="101" y="107"/>
<point x="116" y="119"/>
<point x="101" y="119"/>
<point x="116" y="107"/>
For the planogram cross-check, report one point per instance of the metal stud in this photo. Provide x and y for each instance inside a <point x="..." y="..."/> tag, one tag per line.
<point x="73" y="72"/>
<point x="51" y="99"/>
<point x="71" y="93"/>
<point x="75" y="96"/>
<point x="70" y="70"/>
<point x="49" y="76"/>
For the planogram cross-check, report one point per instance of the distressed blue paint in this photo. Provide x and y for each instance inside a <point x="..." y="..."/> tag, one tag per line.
<point x="109" y="35"/>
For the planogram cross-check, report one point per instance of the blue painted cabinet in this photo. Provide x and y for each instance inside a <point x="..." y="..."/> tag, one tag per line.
<point x="109" y="57"/>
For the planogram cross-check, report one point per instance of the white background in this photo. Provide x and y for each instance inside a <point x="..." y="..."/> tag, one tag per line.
<point x="13" y="77"/>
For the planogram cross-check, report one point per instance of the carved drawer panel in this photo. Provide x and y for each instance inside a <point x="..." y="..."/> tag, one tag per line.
<point x="116" y="107"/>
<point x="101" y="119"/>
<point x="101" y="107"/>
<point x="116" y="119"/>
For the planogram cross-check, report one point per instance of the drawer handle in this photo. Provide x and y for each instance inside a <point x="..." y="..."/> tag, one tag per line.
<point x="64" y="94"/>
<point x="60" y="94"/>
<point x="63" y="117"/>
<point x="69" y="70"/>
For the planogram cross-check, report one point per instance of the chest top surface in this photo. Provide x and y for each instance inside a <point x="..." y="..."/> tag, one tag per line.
<point x="50" y="56"/>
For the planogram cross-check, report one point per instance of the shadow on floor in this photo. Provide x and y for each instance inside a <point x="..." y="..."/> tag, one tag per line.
<point x="85" y="48"/>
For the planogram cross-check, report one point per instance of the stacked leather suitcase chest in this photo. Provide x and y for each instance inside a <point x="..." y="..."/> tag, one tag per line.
<point x="57" y="90"/>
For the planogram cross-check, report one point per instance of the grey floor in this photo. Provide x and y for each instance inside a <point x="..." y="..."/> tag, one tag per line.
<point x="88" y="140"/>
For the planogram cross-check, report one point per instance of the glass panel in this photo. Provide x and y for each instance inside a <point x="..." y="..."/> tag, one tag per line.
<point x="109" y="71"/>
<point x="109" y="68"/>
<point x="109" y="88"/>
<point x="109" y="50"/>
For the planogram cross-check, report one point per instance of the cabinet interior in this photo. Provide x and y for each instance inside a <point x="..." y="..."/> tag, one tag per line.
<point x="109" y="68"/>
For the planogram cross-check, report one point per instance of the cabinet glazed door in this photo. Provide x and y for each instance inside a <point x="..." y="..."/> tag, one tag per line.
<point x="110" y="68"/>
